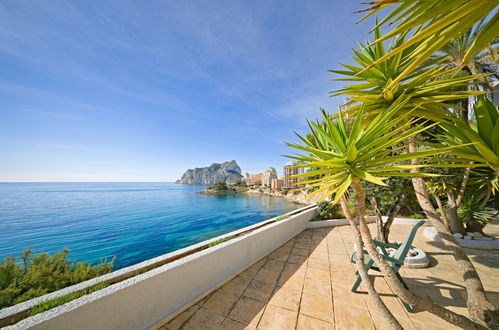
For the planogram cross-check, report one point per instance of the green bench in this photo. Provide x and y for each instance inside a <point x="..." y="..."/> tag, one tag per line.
<point x="395" y="262"/>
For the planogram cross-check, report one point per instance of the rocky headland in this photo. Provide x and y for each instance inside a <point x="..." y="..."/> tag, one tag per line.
<point x="228" y="172"/>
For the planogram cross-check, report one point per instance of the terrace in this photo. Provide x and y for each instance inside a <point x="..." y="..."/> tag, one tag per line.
<point x="305" y="284"/>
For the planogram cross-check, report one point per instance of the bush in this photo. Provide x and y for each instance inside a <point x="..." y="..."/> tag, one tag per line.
<point x="225" y="239"/>
<point x="43" y="273"/>
<point x="327" y="210"/>
<point x="387" y="196"/>
<point x="49" y="304"/>
<point x="240" y="183"/>
<point x="219" y="186"/>
<point x="417" y="216"/>
<point x="285" y="191"/>
<point x="472" y="214"/>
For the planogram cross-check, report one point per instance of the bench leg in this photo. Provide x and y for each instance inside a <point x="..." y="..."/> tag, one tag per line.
<point x="407" y="307"/>
<point x="402" y="281"/>
<point x="359" y="279"/>
<point x="357" y="283"/>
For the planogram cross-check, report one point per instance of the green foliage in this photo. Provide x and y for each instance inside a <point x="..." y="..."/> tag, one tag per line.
<point x="471" y="212"/>
<point x="46" y="305"/>
<point x="387" y="196"/>
<point x="219" y="186"/>
<point x="282" y="217"/>
<point x="425" y="88"/>
<point x="327" y="210"/>
<point x="482" y="138"/>
<point x="363" y="151"/>
<point x="449" y="179"/>
<point x="225" y="239"/>
<point x="417" y="216"/>
<point x="43" y="273"/>
<point x="434" y="24"/>
<point x="240" y="183"/>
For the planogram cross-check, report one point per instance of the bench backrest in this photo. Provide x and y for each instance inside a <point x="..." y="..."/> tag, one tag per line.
<point x="402" y="251"/>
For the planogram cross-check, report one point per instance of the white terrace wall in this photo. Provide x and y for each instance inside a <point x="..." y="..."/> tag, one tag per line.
<point x="144" y="300"/>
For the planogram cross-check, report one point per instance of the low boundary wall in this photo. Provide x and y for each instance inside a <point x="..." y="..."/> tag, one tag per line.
<point x="142" y="301"/>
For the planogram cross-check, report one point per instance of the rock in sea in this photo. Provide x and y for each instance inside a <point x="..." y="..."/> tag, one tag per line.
<point x="228" y="172"/>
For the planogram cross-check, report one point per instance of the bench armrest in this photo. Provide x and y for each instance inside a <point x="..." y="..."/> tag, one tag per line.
<point x="381" y="244"/>
<point x="395" y="261"/>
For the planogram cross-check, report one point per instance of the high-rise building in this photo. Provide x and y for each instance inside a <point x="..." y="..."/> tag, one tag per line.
<point x="290" y="170"/>
<point x="255" y="179"/>
<point x="247" y="178"/>
<point x="269" y="175"/>
<point x="277" y="184"/>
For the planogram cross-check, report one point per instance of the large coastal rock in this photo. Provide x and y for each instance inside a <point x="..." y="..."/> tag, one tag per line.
<point x="228" y="172"/>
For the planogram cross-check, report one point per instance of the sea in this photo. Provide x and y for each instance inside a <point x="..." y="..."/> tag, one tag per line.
<point x="130" y="221"/>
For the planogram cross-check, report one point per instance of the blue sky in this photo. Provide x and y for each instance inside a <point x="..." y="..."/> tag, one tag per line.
<point x="143" y="90"/>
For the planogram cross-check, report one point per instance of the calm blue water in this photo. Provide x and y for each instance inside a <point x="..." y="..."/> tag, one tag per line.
<point x="132" y="221"/>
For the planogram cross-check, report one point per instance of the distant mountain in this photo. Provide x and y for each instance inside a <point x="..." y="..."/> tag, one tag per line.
<point x="228" y="172"/>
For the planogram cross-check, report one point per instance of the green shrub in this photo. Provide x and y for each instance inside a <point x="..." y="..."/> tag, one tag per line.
<point x="225" y="239"/>
<point x="285" y="191"/>
<point x="417" y="216"/>
<point x="470" y="212"/>
<point x="282" y="217"/>
<point x="219" y="186"/>
<point x="388" y="195"/>
<point x="43" y="273"/>
<point x="328" y="211"/>
<point x="46" y="305"/>
<point x="240" y="183"/>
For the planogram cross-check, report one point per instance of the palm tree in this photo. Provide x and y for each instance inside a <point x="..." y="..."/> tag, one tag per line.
<point x="431" y="86"/>
<point x="485" y="62"/>
<point x="433" y="25"/>
<point x="424" y="28"/>
<point x="347" y="155"/>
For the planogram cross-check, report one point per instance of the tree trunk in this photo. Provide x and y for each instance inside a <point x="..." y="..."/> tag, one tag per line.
<point x="486" y="197"/>
<point x="456" y="226"/>
<point x="359" y="249"/>
<point x="408" y="297"/>
<point x="384" y="228"/>
<point x="460" y="193"/>
<point x="475" y="227"/>
<point x="479" y="306"/>
<point x="441" y="210"/>
<point x="379" y="221"/>
<point x="463" y="104"/>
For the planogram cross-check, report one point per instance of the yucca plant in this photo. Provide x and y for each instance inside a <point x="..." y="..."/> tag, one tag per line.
<point x="453" y="53"/>
<point x="364" y="149"/>
<point x="485" y="61"/>
<point x="434" y="24"/>
<point x="428" y="26"/>
<point x="483" y="135"/>
<point x="432" y="88"/>
<point x="471" y="213"/>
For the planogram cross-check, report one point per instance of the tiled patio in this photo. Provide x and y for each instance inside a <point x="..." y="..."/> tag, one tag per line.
<point x="305" y="284"/>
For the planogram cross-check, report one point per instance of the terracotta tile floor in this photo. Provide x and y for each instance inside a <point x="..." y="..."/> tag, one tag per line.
<point x="305" y="284"/>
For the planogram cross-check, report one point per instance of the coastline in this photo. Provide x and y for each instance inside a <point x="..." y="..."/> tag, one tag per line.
<point x="299" y="197"/>
<point x="292" y="196"/>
